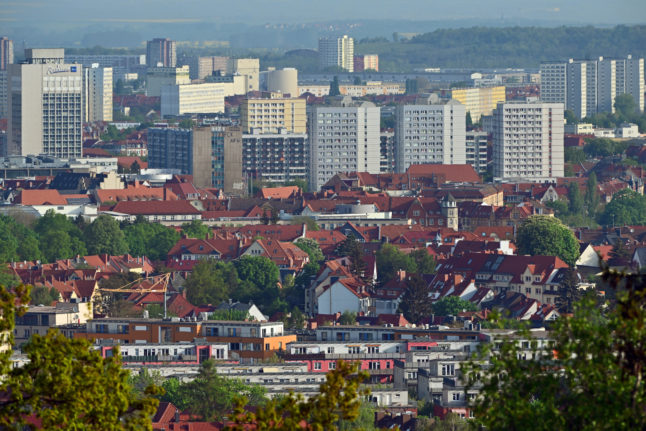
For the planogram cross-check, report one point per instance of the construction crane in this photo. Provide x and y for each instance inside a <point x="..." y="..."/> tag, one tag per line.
<point x="159" y="283"/>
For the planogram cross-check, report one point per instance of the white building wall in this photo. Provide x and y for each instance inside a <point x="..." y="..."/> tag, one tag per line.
<point x="338" y="299"/>
<point x="97" y="91"/>
<point x="430" y="134"/>
<point x="528" y="141"/>
<point x="343" y="139"/>
<point x="192" y="98"/>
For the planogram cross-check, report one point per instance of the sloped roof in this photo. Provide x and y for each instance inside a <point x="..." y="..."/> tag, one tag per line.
<point x="41" y="197"/>
<point x="155" y="208"/>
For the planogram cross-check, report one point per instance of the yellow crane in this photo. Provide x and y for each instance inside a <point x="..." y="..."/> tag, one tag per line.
<point x="158" y="284"/>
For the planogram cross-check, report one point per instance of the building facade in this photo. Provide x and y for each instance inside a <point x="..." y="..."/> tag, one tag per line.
<point x="430" y="134"/>
<point x="276" y="158"/>
<point x="201" y="67"/>
<point x="161" y="53"/>
<point x="479" y="101"/>
<point x="591" y="86"/>
<point x="45" y="105"/>
<point x="6" y="58"/>
<point x="343" y="139"/>
<point x="387" y="152"/>
<point x="337" y="52"/>
<point x="528" y="141"/>
<point x="158" y="77"/>
<point x="121" y="65"/>
<point x="97" y="93"/>
<point x="247" y="67"/>
<point x="192" y="99"/>
<point x="476" y="151"/>
<point x="212" y="155"/>
<point x="366" y="62"/>
<point x="283" y="81"/>
<point x="272" y="115"/>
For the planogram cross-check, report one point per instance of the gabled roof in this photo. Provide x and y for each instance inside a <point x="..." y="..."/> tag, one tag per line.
<point x="279" y="192"/>
<point x="40" y="197"/>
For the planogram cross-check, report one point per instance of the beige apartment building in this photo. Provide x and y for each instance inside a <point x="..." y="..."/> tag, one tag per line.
<point x="158" y="77"/>
<point x="271" y="115"/>
<point x="192" y="99"/>
<point x="247" y="67"/>
<point x="479" y="101"/>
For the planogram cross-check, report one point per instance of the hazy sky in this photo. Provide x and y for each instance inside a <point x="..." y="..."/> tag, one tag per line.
<point x="70" y="13"/>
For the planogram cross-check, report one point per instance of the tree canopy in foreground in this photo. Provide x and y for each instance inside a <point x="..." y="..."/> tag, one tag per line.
<point x="65" y="384"/>
<point x="591" y="378"/>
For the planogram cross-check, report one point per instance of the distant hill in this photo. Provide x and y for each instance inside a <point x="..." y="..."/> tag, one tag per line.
<point x="486" y="47"/>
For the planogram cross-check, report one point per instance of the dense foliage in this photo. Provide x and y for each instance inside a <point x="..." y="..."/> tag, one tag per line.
<point x="339" y="399"/>
<point x="452" y="305"/>
<point x="248" y="279"/>
<point x="509" y="46"/>
<point x="547" y="236"/>
<point x="56" y="236"/>
<point x="390" y="260"/>
<point x="626" y="208"/>
<point x="65" y="384"/>
<point x="590" y="378"/>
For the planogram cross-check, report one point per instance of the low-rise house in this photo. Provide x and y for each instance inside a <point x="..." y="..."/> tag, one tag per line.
<point x="165" y="212"/>
<point x="287" y="256"/>
<point x="39" y="319"/>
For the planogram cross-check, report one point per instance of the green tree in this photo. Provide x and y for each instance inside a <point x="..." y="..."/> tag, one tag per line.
<point x="547" y="236"/>
<point x="153" y="240"/>
<point x="309" y="222"/>
<point x="295" y="320"/>
<point x="211" y="282"/>
<point x="339" y="398"/>
<point x="186" y="123"/>
<point x="569" y="292"/>
<point x="47" y="386"/>
<point x="626" y="208"/>
<point x="59" y="237"/>
<point x="43" y="295"/>
<point x="625" y="106"/>
<point x="424" y="262"/>
<point x="452" y="305"/>
<point x="259" y="279"/>
<point x="415" y="304"/>
<point x="589" y="378"/>
<point x="8" y="278"/>
<point x="311" y="247"/>
<point x="571" y="117"/>
<point x="469" y="121"/>
<point x="144" y="379"/>
<point x="17" y="242"/>
<point x="210" y="395"/>
<point x="365" y="420"/>
<point x="334" y="87"/>
<point x="575" y="199"/>
<point x="574" y="155"/>
<point x="103" y="235"/>
<point x="591" y="195"/>
<point x="348" y="318"/>
<point x="353" y="249"/>
<point x="390" y="260"/>
<point x="195" y="229"/>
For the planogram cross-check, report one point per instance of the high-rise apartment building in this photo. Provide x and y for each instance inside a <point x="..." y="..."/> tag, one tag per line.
<point x="590" y="86"/>
<point x="201" y="67"/>
<point x="476" y="151"/>
<point x="97" y="94"/>
<point x="212" y="155"/>
<point x="272" y="115"/>
<point x="161" y="53"/>
<point x="247" y="67"/>
<point x="387" y="152"/>
<point x="6" y="58"/>
<point x="337" y="51"/>
<point x="528" y="141"/>
<point x="430" y="134"/>
<point x="479" y="101"/>
<point x="366" y="62"/>
<point x="158" y="77"/>
<point x="276" y="157"/>
<point x="6" y="53"/>
<point x="192" y="99"/>
<point x="45" y="105"/>
<point x="343" y="139"/>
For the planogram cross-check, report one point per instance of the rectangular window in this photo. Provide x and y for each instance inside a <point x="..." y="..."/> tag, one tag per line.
<point x="317" y="365"/>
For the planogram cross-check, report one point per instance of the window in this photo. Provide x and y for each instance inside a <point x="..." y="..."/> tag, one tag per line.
<point x="330" y="350"/>
<point x="373" y="349"/>
<point x="317" y="365"/>
<point x="331" y="366"/>
<point x="456" y="396"/>
<point x="374" y="365"/>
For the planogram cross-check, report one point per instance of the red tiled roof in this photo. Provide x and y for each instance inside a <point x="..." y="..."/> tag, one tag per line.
<point x="41" y="197"/>
<point x="452" y="173"/>
<point x="279" y="192"/>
